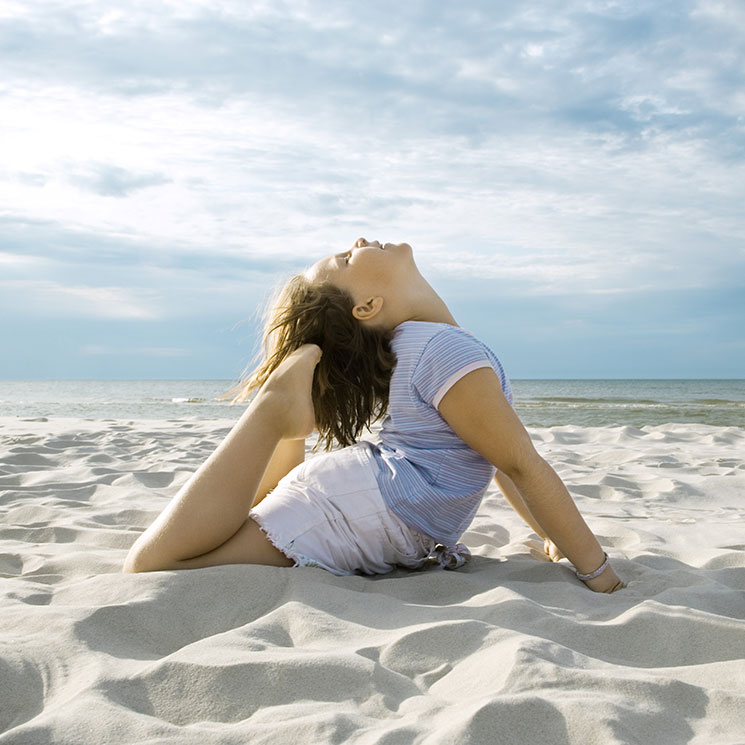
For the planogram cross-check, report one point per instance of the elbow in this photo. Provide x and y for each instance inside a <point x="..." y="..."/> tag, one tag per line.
<point x="512" y="470"/>
<point x="521" y="465"/>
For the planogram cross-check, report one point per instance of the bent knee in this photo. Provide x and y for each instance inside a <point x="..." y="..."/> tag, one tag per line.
<point x="133" y="564"/>
<point x="139" y="561"/>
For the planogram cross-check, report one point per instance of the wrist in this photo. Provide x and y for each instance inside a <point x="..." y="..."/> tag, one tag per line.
<point x="607" y="582"/>
<point x="595" y="573"/>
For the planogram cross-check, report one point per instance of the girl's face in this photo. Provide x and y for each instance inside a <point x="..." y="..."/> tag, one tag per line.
<point x="367" y="269"/>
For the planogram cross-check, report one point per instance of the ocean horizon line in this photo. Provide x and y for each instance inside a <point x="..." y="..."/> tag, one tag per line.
<point x="231" y="380"/>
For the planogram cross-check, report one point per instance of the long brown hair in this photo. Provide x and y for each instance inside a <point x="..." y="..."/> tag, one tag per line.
<point x="351" y="381"/>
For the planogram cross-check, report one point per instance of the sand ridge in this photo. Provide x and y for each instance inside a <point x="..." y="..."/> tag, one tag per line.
<point x="509" y="649"/>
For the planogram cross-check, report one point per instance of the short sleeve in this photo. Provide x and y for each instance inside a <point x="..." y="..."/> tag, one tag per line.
<point x="448" y="356"/>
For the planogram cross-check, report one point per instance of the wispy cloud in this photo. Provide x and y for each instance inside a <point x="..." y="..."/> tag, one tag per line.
<point x="114" y="181"/>
<point x="10" y="261"/>
<point x="53" y="298"/>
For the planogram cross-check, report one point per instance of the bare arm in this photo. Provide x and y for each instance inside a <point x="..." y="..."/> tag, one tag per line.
<point x="287" y="455"/>
<point x="513" y="496"/>
<point x="477" y="411"/>
<point x="516" y="501"/>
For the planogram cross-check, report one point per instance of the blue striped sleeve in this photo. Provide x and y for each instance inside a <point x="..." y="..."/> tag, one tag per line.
<point x="448" y="356"/>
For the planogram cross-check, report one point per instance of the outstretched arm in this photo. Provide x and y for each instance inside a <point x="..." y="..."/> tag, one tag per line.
<point x="513" y="496"/>
<point x="477" y="411"/>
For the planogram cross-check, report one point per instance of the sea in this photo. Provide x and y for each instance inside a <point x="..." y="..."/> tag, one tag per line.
<point x="539" y="403"/>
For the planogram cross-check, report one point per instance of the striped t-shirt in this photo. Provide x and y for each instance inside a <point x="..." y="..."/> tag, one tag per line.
<point x="428" y="476"/>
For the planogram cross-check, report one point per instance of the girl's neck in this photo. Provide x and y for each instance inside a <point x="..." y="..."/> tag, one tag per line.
<point x="424" y="304"/>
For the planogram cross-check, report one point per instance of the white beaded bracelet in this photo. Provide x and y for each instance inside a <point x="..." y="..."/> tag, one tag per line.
<point x="597" y="572"/>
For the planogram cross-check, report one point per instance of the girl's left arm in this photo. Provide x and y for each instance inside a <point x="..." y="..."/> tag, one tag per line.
<point x="513" y="496"/>
<point x="287" y="455"/>
<point x="478" y="412"/>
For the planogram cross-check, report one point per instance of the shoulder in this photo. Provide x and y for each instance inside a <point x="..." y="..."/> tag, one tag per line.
<point x="476" y="408"/>
<point x="451" y="346"/>
<point x="418" y="332"/>
<point x="432" y="337"/>
<point x="437" y="355"/>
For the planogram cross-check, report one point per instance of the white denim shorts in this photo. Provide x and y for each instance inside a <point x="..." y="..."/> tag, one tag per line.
<point x="328" y="512"/>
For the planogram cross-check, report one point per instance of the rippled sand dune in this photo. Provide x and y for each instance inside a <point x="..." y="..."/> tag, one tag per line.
<point x="510" y="649"/>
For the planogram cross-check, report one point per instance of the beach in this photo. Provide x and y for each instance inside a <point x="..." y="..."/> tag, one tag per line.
<point x="509" y="649"/>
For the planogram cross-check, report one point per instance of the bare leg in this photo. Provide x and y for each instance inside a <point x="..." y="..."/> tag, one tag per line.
<point x="211" y="508"/>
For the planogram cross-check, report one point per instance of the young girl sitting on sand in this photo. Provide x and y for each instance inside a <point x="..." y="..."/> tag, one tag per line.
<point x="358" y="335"/>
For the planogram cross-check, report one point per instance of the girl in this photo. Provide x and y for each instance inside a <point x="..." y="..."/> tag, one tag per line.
<point x="359" y="334"/>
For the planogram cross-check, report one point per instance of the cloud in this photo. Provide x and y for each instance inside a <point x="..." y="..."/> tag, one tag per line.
<point x="593" y="149"/>
<point x="29" y="297"/>
<point x="114" y="181"/>
<point x="52" y="271"/>
<point x="105" y="302"/>
<point x="12" y="261"/>
<point x="466" y="68"/>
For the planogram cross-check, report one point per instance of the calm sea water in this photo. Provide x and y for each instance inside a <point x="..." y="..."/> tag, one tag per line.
<point x="540" y="403"/>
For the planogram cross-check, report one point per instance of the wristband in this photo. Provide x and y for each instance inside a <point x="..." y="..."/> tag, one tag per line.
<point x="597" y="572"/>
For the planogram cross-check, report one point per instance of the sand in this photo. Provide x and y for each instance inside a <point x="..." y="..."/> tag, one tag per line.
<point x="510" y="649"/>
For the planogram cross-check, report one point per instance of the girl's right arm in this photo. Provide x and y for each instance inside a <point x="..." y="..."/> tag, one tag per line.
<point x="477" y="411"/>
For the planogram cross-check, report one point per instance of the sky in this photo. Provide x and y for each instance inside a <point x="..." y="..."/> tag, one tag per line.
<point x="570" y="175"/>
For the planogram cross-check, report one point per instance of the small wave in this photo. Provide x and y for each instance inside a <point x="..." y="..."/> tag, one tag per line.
<point x="590" y="404"/>
<point x="597" y="400"/>
<point x="188" y="400"/>
<point x="718" y="402"/>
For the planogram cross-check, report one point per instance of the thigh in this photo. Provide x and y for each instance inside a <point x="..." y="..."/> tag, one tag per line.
<point x="248" y="546"/>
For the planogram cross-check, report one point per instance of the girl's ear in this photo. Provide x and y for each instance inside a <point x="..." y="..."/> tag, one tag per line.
<point x="367" y="311"/>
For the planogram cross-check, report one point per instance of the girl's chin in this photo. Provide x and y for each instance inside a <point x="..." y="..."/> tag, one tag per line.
<point x="389" y="246"/>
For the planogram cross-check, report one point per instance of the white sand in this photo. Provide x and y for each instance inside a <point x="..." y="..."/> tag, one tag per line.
<point x="510" y="649"/>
